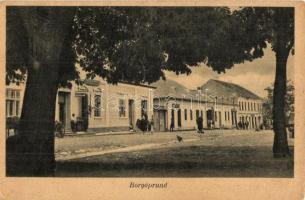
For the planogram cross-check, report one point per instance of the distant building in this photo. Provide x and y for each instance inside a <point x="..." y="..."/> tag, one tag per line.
<point x="173" y="103"/>
<point x="248" y="112"/>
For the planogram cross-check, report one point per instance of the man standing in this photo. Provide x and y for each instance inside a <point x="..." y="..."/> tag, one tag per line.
<point x="73" y="123"/>
<point x="200" y="124"/>
<point x="172" y="125"/>
<point x="152" y="124"/>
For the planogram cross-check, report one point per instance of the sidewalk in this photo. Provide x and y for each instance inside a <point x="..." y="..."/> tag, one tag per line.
<point x="70" y="134"/>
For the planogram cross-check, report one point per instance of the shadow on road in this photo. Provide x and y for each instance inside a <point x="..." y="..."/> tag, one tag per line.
<point x="185" y="161"/>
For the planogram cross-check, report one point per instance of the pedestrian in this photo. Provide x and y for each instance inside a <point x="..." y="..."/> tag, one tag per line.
<point x="73" y="123"/>
<point x="247" y="125"/>
<point x="171" y="125"/>
<point x="200" y="124"/>
<point x="239" y="125"/>
<point x="143" y="124"/>
<point x="152" y="124"/>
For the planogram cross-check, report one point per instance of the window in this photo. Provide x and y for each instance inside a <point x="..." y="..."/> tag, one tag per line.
<point x="225" y="116"/>
<point x="97" y="106"/>
<point x="191" y="114"/>
<point x="229" y="116"/>
<point x="12" y="103"/>
<point x="215" y="116"/>
<point x="248" y="106"/>
<point x="242" y="105"/>
<point x="122" y="109"/>
<point x="185" y="114"/>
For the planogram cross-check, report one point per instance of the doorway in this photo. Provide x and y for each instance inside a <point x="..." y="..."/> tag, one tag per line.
<point x="219" y="115"/>
<point x="63" y="109"/>
<point x="210" y="118"/>
<point x="173" y="117"/>
<point x="83" y="119"/>
<point x="160" y="120"/>
<point x="179" y="117"/>
<point x="131" y="113"/>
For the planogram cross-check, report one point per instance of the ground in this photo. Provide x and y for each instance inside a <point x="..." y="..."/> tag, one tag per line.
<point x="217" y="153"/>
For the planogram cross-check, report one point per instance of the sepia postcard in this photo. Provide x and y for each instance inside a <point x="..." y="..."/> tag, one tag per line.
<point x="152" y="100"/>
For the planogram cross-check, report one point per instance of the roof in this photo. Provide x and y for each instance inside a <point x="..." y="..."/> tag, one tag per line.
<point x="228" y="90"/>
<point x="170" y="88"/>
<point x="93" y="82"/>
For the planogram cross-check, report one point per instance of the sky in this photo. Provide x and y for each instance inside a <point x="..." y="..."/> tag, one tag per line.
<point x="254" y="76"/>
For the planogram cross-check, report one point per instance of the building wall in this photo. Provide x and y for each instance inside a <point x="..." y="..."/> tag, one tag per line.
<point x="187" y="106"/>
<point x="108" y="117"/>
<point x="250" y="110"/>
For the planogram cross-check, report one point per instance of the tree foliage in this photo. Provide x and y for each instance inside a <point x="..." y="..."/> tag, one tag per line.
<point x="137" y="44"/>
<point x="289" y="102"/>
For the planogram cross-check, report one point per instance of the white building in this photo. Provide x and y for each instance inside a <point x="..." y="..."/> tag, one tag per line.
<point x="97" y="105"/>
<point x="174" y="102"/>
<point x="249" y="109"/>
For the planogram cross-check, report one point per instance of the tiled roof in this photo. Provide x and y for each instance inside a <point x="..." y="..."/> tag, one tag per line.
<point x="170" y="88"/>
<point x="227" y="90"/>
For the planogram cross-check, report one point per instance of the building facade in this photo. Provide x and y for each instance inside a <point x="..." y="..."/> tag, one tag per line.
<point x="173" y="103"/>
<point x="99" y="106"/>
<point x="249" y="106"/>
<point x="96" y="105"/>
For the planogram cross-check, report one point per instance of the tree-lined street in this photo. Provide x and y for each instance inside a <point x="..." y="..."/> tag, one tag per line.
<point x="217" y="153"/>
<point x="135" y="45"/>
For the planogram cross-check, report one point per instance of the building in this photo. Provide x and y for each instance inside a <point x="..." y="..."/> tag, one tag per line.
<point x="14" y="99"/>
<point x="248" y="112"/>
<point x="97" y="105"/>
<point x="175" y="103"/>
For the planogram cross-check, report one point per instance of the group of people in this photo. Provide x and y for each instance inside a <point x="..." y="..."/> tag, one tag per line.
<point x="243" y="125"/>
<point x="145" y="125"/>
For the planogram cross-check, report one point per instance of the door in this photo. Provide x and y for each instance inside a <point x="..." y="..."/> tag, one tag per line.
<point x="162" y="118"/>
<point x="179" y="118"/>
<point x="84" y="112"/>
<point x="173" y="118"/>
<point x="131" y="113"/>
<point x="219" y="113"/>
<point x="62" y="114"/>
<point x="62" y="108"/>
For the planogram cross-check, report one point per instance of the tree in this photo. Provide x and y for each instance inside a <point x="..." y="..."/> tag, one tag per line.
<point x="275" y="26"/>
<point x="38" y="50"/>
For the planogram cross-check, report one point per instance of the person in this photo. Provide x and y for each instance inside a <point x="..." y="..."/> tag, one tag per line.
<point x="152" y="124"/>
<point x="73" y="123"/>
<point x="247" y="125"/>
<point x="239" y="125"/>
<point x="171" y="125"/>
<point x="200" y="124"/>
<point x="143" y="124"/>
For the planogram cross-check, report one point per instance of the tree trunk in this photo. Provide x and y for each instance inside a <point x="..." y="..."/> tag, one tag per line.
<point x="32" y="152"/>
<point x="280" y="145"/>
